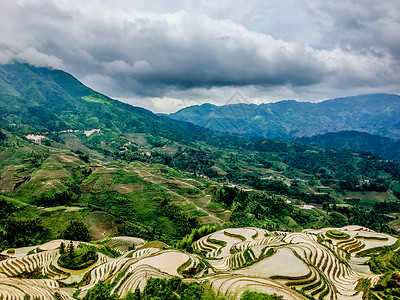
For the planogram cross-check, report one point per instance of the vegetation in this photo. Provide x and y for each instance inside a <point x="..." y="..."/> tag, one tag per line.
<point x="357" y="141"/>
<point x="77" y="259"/>
<point x="293" y="119"/>
<point x="388" y="286"/>
<point x="146" y="176"/>
<point x="187" y="241"/>
<point x="335" y="234"/>
<point x="100" y="292"/>
<point x="252" y="295"/>
<point x="76" y="231"/>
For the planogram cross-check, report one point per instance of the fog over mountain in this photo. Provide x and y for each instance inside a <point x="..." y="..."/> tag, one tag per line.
<point x="165" y="57"/>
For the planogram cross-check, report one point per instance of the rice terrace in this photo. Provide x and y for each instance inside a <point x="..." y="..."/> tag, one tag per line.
<point x="312" y="264"/>
<point x="199" y="150"/>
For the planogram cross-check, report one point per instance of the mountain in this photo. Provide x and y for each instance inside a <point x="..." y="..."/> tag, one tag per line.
<point x="41" y="100"/>
<point x="93" y="168"/>
<point x="137" y="163"/>
<point x="356" y="141"/>
<point x="375" y="113"/>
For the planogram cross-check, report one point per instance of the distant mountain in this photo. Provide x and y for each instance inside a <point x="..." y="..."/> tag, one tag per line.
<point x="356" y="141"/>
<point x="41" y="99"/>
<point x="375" y="113"/>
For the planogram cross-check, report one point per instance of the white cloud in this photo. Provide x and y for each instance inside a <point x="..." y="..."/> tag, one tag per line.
<point x="169" y="55"/>
<point x="38" y="59"/>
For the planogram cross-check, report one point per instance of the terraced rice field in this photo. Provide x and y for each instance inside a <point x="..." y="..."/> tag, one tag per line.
<point x="235" y="259"/>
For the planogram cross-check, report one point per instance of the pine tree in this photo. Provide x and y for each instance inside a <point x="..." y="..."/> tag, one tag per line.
<point x="62" y="248"/>
<point x="71" y="250"/>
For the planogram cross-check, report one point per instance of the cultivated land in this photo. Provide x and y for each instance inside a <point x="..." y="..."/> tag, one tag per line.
<point x="295" y="265"/>
<point x="75" y="164"/>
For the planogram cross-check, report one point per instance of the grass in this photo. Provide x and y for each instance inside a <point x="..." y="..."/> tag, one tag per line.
<point x="198" y="213"/>
<point x="238" y="236"/>
<point x="335" y="234"/>
<point x="97" y="98"/>
<point x="216" y="242"/>
<point x="368" y="199"/>
<point x="186" y="207"/>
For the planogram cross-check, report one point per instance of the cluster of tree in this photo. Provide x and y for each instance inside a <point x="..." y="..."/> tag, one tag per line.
<point x="155" y="141"/>
<point x="76" y="259"/>
<point x="36" y="158"/>
<point x="388" y="286"/>
<point x="172" y="289"/>
<point x="331" y="166"/>
<point x="189" y="159"/>
<point x="183" y="222"/>
<point x="153" y="229"/>
<point x="76" y="231"/>
<point x="67" y="197"/>
<point x="187" y="241"/>
<point x="279" y="187"/>
<point x="84" y="157"/>
<point x="18" y="232"/>
<point x="6" y="208"/>
<point x="137" y="230"/>
<point x="252" y="295"/>
<point x="253" y="208"/>
<point x="375" y="218"/>
<point x="270" y="211"/>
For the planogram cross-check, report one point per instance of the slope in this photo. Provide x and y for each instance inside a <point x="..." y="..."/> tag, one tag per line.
<point x="54" y="186"/>
<point x="356" y="141"/>
<point x="43" y="100"/>
<point x="374" y="113"/>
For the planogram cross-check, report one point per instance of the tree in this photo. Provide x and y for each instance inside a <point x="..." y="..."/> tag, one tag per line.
<point x="251" y="295"/>
<point x="337" y="219"/>
<point x="137" y="294"/>
<point x="62" y="248"/>
<point x="101" y="291"/>
<point x="71" y="250"/>
<point x="2" y="136"/>
<point x="76" y="231"/>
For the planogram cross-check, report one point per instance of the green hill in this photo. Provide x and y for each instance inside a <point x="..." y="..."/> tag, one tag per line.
<point x="376" y="114"/>
<point x="42" y="100"/>
<point x="356" y="141"/>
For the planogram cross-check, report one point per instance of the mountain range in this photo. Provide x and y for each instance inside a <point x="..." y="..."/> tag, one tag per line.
<point x="78" y="165"/>
<point x="374" y="113"/>
<point x="45" y="100"/>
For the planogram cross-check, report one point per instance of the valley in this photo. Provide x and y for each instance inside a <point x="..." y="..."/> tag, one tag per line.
<point x="148" y="201"/>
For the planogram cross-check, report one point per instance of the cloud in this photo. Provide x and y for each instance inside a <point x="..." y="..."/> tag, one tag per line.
<point x="363" y="26"/>
<point x="38" y="59"/>
<point x="182" y="54"/>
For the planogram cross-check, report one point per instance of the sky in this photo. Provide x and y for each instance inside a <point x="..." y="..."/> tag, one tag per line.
<point x="166" y="55"/>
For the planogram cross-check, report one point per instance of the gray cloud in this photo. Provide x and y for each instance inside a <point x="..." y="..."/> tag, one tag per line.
<point x="180" y="53"/>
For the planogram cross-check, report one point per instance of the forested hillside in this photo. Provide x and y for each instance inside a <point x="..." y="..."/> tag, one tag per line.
<point x="156" y="178"/>
<point x="38" y="100"/>
<point x="376" y="114"/>
<point x="356" y="141"/>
